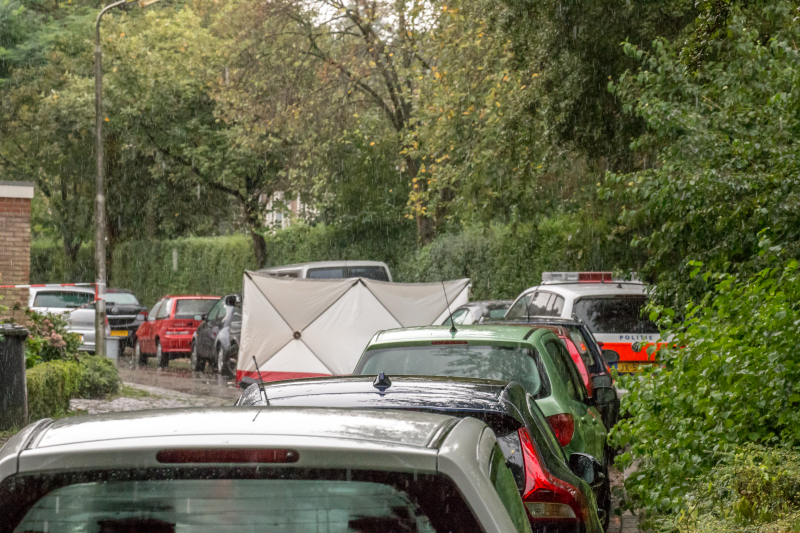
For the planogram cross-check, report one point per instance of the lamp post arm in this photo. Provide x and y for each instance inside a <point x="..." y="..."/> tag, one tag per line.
<point x="100" y="199"/>
<point x="103" y="11"/>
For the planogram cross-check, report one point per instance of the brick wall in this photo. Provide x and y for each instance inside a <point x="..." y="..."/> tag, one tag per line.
<point x="15" y="240"/>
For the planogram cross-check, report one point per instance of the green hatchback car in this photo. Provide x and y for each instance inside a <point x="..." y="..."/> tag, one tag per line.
<point x="531" y="355"/>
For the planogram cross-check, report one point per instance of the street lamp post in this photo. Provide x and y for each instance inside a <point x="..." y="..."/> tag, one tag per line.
<point x="100" y="199"/>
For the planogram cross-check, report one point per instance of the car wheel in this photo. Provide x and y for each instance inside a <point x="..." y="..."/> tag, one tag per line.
<point x="226" y="364"/>
<point x="162" y="358"/>
<point x="198" y="365"/>
<point x="139" y="356"/>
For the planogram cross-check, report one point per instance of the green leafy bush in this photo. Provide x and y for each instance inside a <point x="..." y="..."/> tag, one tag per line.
<point x="504" y="259"/>
<point x="48" y="338"/>
<point x="753" y="490"/>
<point x="53" y="384"/>
<point x="50" y="387"/>
<point x="733" y="380"/>
<point x="99" y="377"/>
<point x="728" y="160"/>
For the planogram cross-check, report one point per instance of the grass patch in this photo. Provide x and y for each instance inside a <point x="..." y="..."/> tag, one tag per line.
<point x="126" y="391"/>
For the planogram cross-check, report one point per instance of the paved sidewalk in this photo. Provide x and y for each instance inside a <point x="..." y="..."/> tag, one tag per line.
<point x="151" y="398"/>
<point x="627" y="523"/>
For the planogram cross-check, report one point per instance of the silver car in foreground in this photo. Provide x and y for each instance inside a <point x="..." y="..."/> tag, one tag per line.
<point x="261" y="469"/>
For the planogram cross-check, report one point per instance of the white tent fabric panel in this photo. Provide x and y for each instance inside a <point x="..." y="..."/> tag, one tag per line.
<point x="301" y="301"/>
<point x="293" y="356"/>
<point x="266" y="331"/>
<point x="460" y="299"/>
<point x="340" y="334"/>
<point x="416" y="304"/>
<point x="299" y="327"/>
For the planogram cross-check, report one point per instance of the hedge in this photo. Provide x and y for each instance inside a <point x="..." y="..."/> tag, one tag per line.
<point x="501" y="260"/>
<point x="49" y="264"/>
<point x="52" y="385"/>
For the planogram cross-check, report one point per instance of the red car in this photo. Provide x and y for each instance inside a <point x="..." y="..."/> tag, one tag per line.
<point x="169" y="327"/>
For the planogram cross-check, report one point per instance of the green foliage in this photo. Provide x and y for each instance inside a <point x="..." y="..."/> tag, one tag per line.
<point x="725" y="134"/>
<point x="50" y="388"/>
<point x="206" y="265"/>
<point x="732" y="377"/>
<point x="503" y="260"/>
<point x="53" y="384"/>
<point x="99" y="377"/>
<point x="216" y="265"/>
<point x="48" y="338"/>
<point x="49" y="263"/>
<point x="751" y="490"/>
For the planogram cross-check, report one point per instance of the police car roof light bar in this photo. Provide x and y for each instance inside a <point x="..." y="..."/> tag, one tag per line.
<point x="586" y="277"/>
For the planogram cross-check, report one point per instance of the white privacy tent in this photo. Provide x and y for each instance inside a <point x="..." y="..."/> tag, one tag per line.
<point x="314" y="327"/>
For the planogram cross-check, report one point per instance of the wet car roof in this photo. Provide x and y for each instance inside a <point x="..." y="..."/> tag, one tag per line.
<point x="404" y="392"/>
<point x="435" y="333"/>
<point x="409" y="429"/>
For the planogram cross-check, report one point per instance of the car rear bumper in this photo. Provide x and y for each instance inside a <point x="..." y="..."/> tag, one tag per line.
<point x="125" y="334"/>
<point x="177" y="343"/>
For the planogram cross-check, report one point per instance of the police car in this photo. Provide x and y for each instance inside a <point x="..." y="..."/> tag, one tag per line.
<point x="611" y="307"/>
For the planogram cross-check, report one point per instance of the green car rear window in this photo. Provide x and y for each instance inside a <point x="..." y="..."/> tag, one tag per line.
<point x="501" y="363"/>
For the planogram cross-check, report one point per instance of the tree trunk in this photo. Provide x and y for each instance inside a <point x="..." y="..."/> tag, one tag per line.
<point x="425" y="224"/>
<point x="425" y="229"/>
<point x="259" y="247"/>
<point x="71" y="255"/>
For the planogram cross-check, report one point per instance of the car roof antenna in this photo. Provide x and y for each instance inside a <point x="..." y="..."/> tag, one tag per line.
<point x="263" y="390"/>
<point x="258" y="370"/>
<point x="452" y="323"/>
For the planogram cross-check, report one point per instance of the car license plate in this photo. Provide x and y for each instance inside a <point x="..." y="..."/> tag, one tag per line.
<point x="630" y="368"/>
<point x="119" y="333"/>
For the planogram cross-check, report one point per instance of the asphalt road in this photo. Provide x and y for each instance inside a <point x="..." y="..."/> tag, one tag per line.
<point x="178" y="377"/>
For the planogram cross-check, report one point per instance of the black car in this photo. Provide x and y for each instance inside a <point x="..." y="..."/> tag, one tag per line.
<point x="216" y="340"/>
<point x="558" y="492"/>
<point x="595" y="359"/>
<point x="478" y="312"/>
<point x="125" y="315"/>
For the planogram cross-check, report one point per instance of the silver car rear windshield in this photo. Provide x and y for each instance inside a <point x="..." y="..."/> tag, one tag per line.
<point x="62" y="299"/>
<point x="501" y="363"/>
<point x="211" y="501"/>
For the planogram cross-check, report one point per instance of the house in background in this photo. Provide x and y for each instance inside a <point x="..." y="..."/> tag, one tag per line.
<point x="15" y="240"/>
<point x="283" y="209"/>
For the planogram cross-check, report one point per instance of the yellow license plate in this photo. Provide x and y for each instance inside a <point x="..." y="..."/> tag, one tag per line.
<point x="123" y="333"/>
<point x="630" y="367"/>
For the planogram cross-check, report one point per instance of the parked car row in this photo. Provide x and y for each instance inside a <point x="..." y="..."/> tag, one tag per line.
<point x="495" y="421"/>
<point x="205" y="328"/>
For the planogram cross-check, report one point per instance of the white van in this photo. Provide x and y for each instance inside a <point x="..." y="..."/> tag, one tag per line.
<point x="376" y="270"/>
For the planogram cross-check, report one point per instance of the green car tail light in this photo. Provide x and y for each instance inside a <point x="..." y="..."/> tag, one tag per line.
<point x="563" y="426"/>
